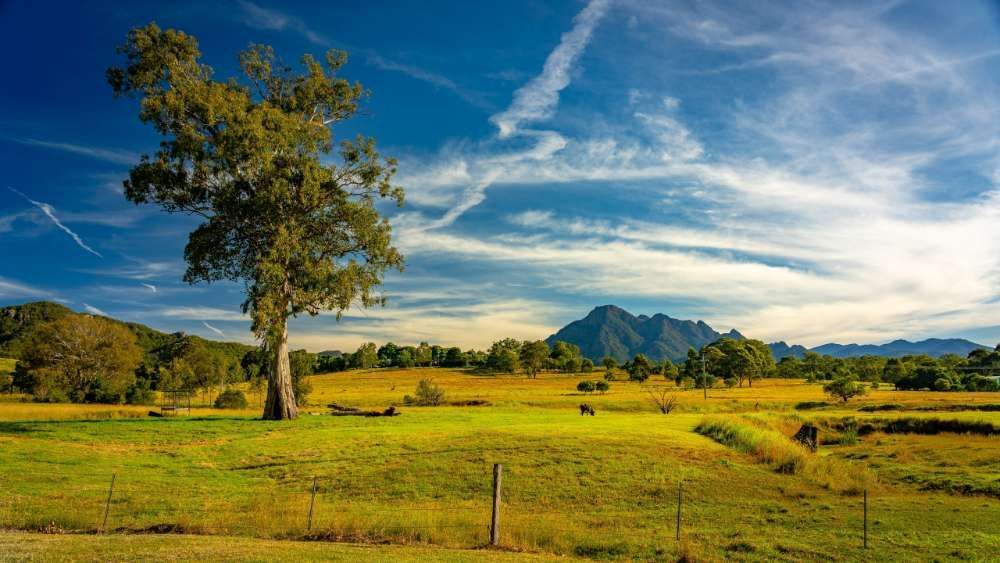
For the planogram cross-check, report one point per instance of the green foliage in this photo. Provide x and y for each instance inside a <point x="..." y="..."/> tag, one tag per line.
<point x="639" y="368"/>
<point x="566" y="357"/>
<point x="532" y="356"/>
<point x="602" y="386"/>
<point x="586" y="365"/>
<point x="744" y="360"/>
<point x="366" y="356"/>
<point x="844" y="388"/>
<point x="586" y="386"/>
<point x="427" y="394"/>
<point x="231" y="399"/>
<point x="79" y="358"/>
<point x="504" y="356"/>
<point x="304" y="236"/>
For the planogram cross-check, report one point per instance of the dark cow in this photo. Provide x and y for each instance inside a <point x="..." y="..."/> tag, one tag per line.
<point x="586" y="409"/>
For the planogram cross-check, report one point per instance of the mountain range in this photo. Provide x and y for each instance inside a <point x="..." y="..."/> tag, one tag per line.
<point x="609" y="330"/>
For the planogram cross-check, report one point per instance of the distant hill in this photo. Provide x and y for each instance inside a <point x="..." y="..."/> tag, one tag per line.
<point x="612" y="331"/>
<point x="17" y="322"/>
<point x="781" y="349"/>
<point x="609" y="330"/>
<point x="934" y="347"/>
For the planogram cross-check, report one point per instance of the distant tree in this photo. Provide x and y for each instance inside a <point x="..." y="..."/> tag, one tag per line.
<point x="404" y="358"/>
<point x="730" y="382"/>
<point x="388" y="355"/>
<point x="504" y="356"/>
<point x="454" y="358"/>
<point x="585" y="386"/>
<point x="424" y="355"/>
<point x="789" y="367"/>
<point x="586" y="365"/>
<point x="566" y="357"/>
<point x="609" y="364"/>
<point x="533" y="355"/>
<point x="304" y="236"/>
<point x="80" y="358"/>
<point x="427" y="394"/>
<point x="639" y="368"/>
<point x="602" y="386"/>
<point x="663" y="400"/>
<point x="366" y="356"/>
<point x="844" y="388"/>
<point x="669" y="370"/>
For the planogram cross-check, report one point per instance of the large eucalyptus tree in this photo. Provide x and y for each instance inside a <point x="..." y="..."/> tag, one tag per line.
<point x="245" y="155"/>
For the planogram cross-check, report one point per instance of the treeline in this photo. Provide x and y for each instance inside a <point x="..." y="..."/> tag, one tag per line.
<point x="87" y="359"/>
<point x="508" y="355"/>
<point x="979" y="371"/>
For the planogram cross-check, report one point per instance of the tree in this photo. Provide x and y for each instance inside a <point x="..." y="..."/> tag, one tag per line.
<point x="302" y="235"/>
<point x="366" y="356"/>
<point x="602" y="386"/>
<point x="504" y="356"/>
<point x="609" y="364"/>
<point x="427" y="394"/>
<point x="844" y="388"/>
<point x="586" y="386"/>
<point x="533" y="356"/>
<point x="80" y="358"/>
<point x="454" y="358"/>
<point x="586" y="365"/>
<point x="663" y="400"/>
<point x="669" y="370"/>
<point x="388" y="355"/>
<point x="566" y="357"/>
<point x="423" y="356"/>
<point x="639" y="368"/>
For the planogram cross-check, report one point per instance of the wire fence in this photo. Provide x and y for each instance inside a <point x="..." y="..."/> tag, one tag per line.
<point x="132" y="501"/>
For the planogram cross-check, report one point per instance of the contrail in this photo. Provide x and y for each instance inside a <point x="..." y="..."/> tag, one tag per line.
<point x="150" y="286"/>
<point x="213" y="329"/>
<point x="47" y="209"/>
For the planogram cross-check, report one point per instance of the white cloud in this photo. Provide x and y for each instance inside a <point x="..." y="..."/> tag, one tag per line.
<point x="94" y="310"/>
<point x="213" y="329"/>
<point x="537" y="99"/>
<point x="116" y="156"/>
<point x="201" y="314"/>
<point x="50" y="213"/>
<point x="10" y="289"/>
<point x="149" y="286"/>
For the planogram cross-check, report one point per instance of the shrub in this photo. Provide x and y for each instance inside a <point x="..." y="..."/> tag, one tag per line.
<point x="942" y="384"/>
<point x="427" y="395"/>
<point x="231" y="399"/>
<point x="730" y="382"/>
<point x="844" y="388"/>
<point x="601" y="386"/>
<point x="587" y="365"/>
<point x="875" y="385"/>
<point x="686" y="382"/>
<point x="586" y="387"/>
<point x="140" y="393"/>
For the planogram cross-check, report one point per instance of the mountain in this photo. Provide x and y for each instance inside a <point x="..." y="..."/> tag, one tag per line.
<point x="17" y="322"/>
<point x="612" y="331"/>
<point x="781" y="349"/>
<point x="933" y="347"/>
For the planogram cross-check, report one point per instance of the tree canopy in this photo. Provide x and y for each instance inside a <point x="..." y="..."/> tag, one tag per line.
<point x="303" y="235"/>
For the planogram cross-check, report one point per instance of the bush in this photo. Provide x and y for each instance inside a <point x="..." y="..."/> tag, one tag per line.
<point x="231" y="399"/>
<point x="140" y="393"/>
<point x="730" y="382"/>
<point x="942" y="384"/>
<point x="601" y="386"/>
<point x="585" y="387"/>
<point x="587" y="365"/>
<point x="427" y="395"/>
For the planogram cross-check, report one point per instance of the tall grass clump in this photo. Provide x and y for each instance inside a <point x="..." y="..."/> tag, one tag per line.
<point x="772" y="447"/>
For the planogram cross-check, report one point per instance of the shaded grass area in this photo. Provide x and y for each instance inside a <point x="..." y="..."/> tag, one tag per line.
<point x="24" y="546"/>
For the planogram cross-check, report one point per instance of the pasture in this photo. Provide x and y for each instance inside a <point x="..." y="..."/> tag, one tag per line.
<point x="419" y="484"/>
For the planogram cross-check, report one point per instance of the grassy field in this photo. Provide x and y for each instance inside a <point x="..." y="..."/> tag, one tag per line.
<point x="591" y="487"/>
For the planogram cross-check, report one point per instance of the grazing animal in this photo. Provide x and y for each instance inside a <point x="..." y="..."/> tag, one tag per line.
<point x="808" y="436"/>
<point x="586" y="409"/>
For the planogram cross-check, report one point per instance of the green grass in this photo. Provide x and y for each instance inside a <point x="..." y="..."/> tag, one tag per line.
<point x="596" y="487"/>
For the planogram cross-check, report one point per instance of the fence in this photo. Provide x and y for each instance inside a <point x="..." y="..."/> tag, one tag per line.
<point x="495" y="514"/>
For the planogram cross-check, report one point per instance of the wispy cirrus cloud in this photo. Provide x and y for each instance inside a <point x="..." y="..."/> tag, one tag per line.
<point x="116" y="156"/>
<point x="10" y="289"/>
<point x="259" y="17"/>
<point x="857" y="200"/>
<point x="213" y="329"/>
<point x="149" y="286"/>
<point x="94" y="310"/>
<point x="50" y="213"/>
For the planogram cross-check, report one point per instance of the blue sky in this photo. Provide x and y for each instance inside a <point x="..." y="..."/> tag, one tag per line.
<point x="810" y="172"/>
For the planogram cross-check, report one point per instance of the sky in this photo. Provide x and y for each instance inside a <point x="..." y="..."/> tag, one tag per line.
<point x="801" y="171"/>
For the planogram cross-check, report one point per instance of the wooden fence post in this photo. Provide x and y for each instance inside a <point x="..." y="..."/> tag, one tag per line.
<point x="866" y="518"/>
<point x="495" y="522"/>
<point x="312" y="502"/>
<point x="107" y="503"/>
<point x="680" y="501"/>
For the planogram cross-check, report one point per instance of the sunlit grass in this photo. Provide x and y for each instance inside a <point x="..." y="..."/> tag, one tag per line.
<point x="602" y="486"/>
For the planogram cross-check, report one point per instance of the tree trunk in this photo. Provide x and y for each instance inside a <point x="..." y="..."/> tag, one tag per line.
<point x="280" y="393"/>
